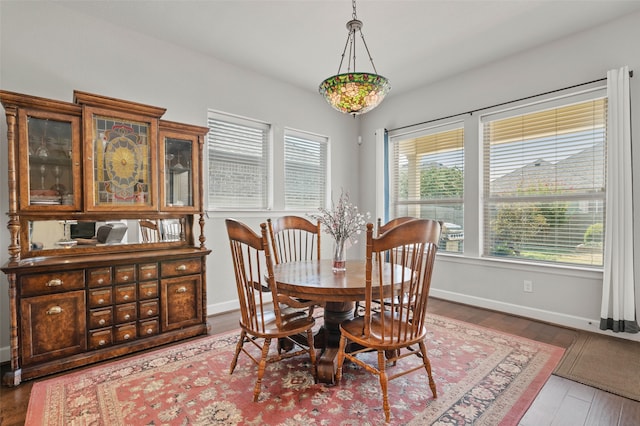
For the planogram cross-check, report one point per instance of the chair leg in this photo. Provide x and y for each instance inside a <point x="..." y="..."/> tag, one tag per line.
<point x="427" y="366"/>
<point x="234" y="361"/>
<point x="261" y="368"/>
<point x="312" y="355"/>
<point x="343" y="343"/>
<point x="382" y="360"/>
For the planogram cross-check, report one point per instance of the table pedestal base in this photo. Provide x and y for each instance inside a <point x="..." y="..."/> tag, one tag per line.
<point x="327" y="362"/>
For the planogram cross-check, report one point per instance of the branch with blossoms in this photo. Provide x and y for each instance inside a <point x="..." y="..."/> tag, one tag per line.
<point x="343" y="221"/>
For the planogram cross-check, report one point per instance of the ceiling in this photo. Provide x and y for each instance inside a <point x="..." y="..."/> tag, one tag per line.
<point x="412" y="43"/>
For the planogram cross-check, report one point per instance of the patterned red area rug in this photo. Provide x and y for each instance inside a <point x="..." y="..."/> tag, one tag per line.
<point x="483" y="377"/>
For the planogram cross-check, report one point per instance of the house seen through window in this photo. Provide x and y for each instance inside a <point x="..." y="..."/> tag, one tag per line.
<point x="544" y="182"/>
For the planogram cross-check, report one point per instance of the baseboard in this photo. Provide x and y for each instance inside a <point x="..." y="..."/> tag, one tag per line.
<point x="220" y="308"/>
<point x="579" y="323"/>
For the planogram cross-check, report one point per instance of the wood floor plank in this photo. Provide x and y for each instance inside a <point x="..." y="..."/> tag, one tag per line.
<point x="630" y="415"/>
<point x="583" y="392"/>
<point x="547" y="403"/>
<point x="605" y="409"/>
<point x="573" y="412"/>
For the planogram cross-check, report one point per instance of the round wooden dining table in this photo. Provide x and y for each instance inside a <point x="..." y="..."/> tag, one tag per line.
<point x="338" y="291"/>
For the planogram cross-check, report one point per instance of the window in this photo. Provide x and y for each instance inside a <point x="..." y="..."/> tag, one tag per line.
<point x="305" y="170"/>
<point x="544" y="181"/>
<point x="239" y="158"/>
<point x="427" y="177"/>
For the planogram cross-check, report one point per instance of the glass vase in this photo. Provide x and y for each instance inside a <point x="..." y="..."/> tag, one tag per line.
<point x="339" y="255"/>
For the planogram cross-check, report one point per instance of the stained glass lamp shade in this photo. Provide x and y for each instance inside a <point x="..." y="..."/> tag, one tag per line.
<point x="354" y="92"/>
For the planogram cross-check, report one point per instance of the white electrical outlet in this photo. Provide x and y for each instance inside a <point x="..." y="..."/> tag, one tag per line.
<point x="528" y="286"/>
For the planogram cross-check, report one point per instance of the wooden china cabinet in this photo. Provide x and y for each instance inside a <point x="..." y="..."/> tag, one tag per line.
<point x="83" y="284"/>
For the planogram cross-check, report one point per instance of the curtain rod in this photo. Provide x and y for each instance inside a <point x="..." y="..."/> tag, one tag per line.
<point x="470" y="112"/>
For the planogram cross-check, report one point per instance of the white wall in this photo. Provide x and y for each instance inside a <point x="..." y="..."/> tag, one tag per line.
<point x="565" y="296"/>
<point x="48" y="50"/>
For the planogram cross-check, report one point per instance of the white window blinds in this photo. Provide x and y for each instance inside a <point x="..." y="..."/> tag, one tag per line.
<point x="305" y="170"/>
<point x="238" y="151"/>
<point x="544" y="181"/>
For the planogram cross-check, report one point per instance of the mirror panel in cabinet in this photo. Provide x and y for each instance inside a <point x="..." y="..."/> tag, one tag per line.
<point x="64" y="234"/>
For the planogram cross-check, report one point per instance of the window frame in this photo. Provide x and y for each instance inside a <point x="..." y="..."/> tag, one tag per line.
<point x="455" y="244"/>
<point x="324" y="147"/>
<point x="540" y="104"/>
<point x="266" y="160"/>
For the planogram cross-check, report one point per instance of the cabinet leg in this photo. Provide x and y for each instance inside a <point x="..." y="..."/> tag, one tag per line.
<point x="12" y="378"/>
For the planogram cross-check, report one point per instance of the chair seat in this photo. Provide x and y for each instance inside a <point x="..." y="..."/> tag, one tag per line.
<point x="293" y="321"/>
<point x="353" y="329"/>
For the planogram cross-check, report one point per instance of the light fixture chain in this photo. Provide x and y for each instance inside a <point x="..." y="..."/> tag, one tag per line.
<point x="368" y="53"/>
<point x="353" y="3"/>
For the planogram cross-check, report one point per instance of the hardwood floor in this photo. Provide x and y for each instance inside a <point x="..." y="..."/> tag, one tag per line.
<point x="561" y="402"/>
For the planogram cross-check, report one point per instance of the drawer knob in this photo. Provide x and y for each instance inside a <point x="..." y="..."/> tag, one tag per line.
<point x="126" y="297"/>
<point x="182" y="289"/>
<point x="102" y="342"/>
<point x="149" y="330"/>
<point x="54" y="282"/>
<point x="100" y="280"/>
<point x="100" y="301"/>
<point x="102" y="321"/>
<point x="150" y="312"/>
<point x="149" y="293"/>
<point x="125" y="277"/>
<point x="181" y="268"/>
<point x="148" y="274"/>
<point x="127" y="336"/>
<point x="54" y="310"/>
<point x="127" y="316"/>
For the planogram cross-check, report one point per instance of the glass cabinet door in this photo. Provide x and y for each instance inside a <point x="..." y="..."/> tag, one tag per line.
<point x="120" y="162"/>
<point x="49" y="151"/>
<point x="179" y="171"/>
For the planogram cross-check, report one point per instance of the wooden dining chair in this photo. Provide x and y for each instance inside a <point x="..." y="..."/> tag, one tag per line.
<point x="293" y="239"/>
<point x="400" y="325"/>
<point x="149" y="231"/>
<point x="265" y="313"/>
<point x="382" y="228"/>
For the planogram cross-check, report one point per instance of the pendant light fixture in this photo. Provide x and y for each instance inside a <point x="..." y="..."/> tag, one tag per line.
<point x="354" y="92"/>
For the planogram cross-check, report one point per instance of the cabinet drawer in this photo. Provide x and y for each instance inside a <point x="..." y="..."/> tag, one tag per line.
<point x="148" y="328"/>
<point x="126" y="313"/>
<point x="100" y="297"/>
<point x="125" y="293"/>
<point x="181" y="302"/>
<point x="52" y="326"/>
<point x="148" y="271"/>
<point x="148" y="290"/>
<point x="100" y="338"/>
<point x="148" y="309"/>
<point x="33" y="285"/>
<point x="99" y="318"/>
<point x="99" y="277"/>
<point x="181" y="267"/>
<point x="125" y="274"/>
<point x="125" y="332"/>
